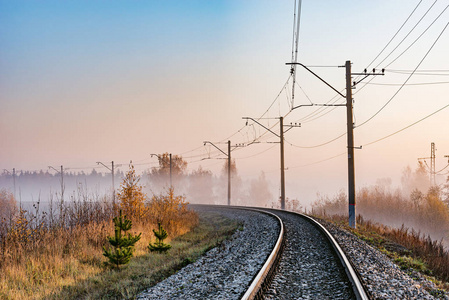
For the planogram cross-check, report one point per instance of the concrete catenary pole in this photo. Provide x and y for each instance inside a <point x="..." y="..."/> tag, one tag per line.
<point x="350" y="134"/>
<point x="62" y="183"/>
<point x="113" y="186"/>
<point x="14" y="181"/>
<point x="171" y="182"/>
<point x="281" y="122"/>
<point x="229" y="172"/>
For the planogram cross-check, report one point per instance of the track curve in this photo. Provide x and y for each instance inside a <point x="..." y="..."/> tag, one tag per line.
<point x="312" y="265"/>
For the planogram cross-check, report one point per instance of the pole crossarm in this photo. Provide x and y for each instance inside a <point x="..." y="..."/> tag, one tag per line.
<point x="365" y="74"/>
<point x="207" y="142"/>
<point x="160" y="157"/>
<point x="338" y="92"/>
<point x="248" y="118"/>
<point x="50" y="167"/>
<point x="112" y="175"/>
<point x="281" y="142"/>
<point x="100" y="163"/>
<point x="303" y="105"/>
<point x="291" y="125"/>
<point x="228" y="155"/>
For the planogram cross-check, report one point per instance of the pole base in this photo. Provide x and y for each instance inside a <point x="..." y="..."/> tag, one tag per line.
<point x="352" y="216"/>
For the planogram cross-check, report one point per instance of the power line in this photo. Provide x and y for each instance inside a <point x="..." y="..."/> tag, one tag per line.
<point x="316" y="146"/>
<point x="397" y="32"/>
<point x="419" y="72"/>
<point x="259" y="153"/>
<point x="197" y="148"/>
<point x="324" y="110"/>
<point x="442" y="170"/>
<point x="411" y="30"/>
<point x="318" y="162"/>
<point x="266" y="111"/>
<point x="410" y="84"/>
<point x="408" y="78"/>
<point x="428" y="27"/>
<point x="396" y="132"/>
<point x="239" y="131"/>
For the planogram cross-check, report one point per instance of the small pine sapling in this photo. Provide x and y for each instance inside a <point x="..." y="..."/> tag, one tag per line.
<point x="123" y="244"/>
<point x="159" y="245"/>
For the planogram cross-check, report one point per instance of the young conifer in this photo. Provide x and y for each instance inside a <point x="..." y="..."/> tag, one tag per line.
<point x="131" y="197"/>
<point x="123" y="244"/>
<point x="159" y="245"/>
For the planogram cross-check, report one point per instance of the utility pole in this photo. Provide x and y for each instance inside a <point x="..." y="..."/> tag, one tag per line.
<point x="113" y="185"/>
<point x="281" y="142"/>
<point x="62" y="183"/>
<point x="350" y="135"/>
<point x="229" y="165"/>
<point x="281" y="122"/>
<point x="170" y="164"/>
<point x="171" y="185"/>
<point x="62" y="180"/>
<point x="432" y="171"/>
<point x="112" y="172"/>
<point x="229" y="172"/>
<point x="350" y="127"/>
<point x="13" y="179"/>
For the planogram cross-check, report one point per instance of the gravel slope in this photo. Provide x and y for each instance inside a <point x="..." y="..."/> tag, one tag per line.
<point x="227" y="271"/>
<point x="383" y="278"/>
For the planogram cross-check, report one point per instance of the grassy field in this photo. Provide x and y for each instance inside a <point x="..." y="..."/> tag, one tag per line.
<point x="85" y="276"/>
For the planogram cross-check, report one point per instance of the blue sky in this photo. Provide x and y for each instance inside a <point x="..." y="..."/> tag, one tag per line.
<point x="83" y="81"/>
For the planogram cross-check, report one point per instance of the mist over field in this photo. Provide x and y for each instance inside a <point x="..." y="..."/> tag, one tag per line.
<point x="95" y="94"/>
<point x="199" y="186"/>
<point x="415" y="203"/>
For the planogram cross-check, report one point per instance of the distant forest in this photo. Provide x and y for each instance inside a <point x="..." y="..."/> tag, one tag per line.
<point x="199" y="186"/>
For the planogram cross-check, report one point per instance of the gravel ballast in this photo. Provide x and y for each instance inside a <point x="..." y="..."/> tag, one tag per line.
<point x="382" y="278"/>
<point x="308" y="268"/>
<point x="224" y="272"/>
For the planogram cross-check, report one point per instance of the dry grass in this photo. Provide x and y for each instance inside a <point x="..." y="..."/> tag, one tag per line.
<point x="424" y="211"/>
<point x="146" y="269"/>
<point x="388" y="220"/>
<point x="407" y="247"/>
<point x="58" y="253"/>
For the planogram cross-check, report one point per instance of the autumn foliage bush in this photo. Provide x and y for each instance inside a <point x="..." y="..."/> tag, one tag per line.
<point x="417" y="204"/>
<point x="172" y="212"/>
<point x="416" y="216"/>
<point x="42" y="250"/>
<point x="131" y="197"/>
<point x="424" y="211"/>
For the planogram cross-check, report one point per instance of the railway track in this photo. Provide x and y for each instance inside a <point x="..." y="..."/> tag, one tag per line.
<point x="309" y="265"/>
<point x="278" y="255"/>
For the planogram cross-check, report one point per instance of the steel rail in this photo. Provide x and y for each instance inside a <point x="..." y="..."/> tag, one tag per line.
<point x="353" y="277"/>
<point x="261" y="280"/>
<point x="256" y="288"/>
